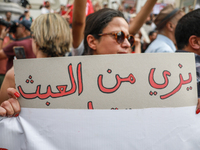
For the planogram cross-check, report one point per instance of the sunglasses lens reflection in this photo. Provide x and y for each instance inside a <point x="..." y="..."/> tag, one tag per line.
<point x="131" y="40"/>
<point x="120" y="37"/>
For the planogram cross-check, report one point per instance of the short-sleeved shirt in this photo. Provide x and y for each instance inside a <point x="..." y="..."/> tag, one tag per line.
<point x="79" y="50"/>
<point x="8" y="50"/>
<point x="44" y="10"/>
<point x="161" y="44"/>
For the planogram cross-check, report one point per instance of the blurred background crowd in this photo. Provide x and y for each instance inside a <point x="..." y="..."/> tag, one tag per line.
<point x="24" y="12"/>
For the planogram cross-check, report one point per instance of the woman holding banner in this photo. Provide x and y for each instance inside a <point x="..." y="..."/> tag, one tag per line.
<point x="106" y="32"/>
<point x="79" y="23"/>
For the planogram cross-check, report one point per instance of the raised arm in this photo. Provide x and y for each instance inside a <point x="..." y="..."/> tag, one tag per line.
<point x="8" y="82"/>
<point x="141" y="16"/>
<point x="78" y="23"/>
<point x="4" y="31"/>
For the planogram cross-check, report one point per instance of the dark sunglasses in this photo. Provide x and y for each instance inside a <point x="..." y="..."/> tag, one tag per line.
<point x="120" y="37"/>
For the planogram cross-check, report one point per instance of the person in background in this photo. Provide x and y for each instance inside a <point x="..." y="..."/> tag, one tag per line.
<point x="41" y="6"/>
<point x="152" y="36"/>
<point x="70" y="13"/>
<point x="25" y="3"/>
<point x="26" y="16"/>
<point x="43" y="29"/>
<point x="105" y="4"/>
<point x="121" y="6"/>
<point x="65" y="13"/>
<point x="126" y="12"/>
<point x="8" y="16"/>
<point x="47" y="8"/>
<point x="140" y="18"/>
<point x="187" y="36"/>
<point x="132" y="17"/>
<point x="166" y="22"/>
<point x="147" y="25"/>
<point x="96" y="6"/>
<point x="22" y="35"/>
<point x="4" y="61"/>
<point x="115" y="5"/>
<point x="62" y="10"/>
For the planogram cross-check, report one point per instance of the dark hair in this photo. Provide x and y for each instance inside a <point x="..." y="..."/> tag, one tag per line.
<point x="96" y="22"/>
<point x="188" y="25"/>
<point x="152" y="32"/>
<point x="40" y="6"/>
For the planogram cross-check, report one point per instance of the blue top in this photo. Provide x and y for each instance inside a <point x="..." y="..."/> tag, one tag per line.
<point x="161" y="44"/>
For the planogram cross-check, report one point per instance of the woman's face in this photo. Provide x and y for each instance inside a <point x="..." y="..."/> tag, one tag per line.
<point x="107" y="44"/>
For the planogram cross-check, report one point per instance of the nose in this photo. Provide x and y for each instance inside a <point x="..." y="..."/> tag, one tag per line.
<point x="126" y="43"/>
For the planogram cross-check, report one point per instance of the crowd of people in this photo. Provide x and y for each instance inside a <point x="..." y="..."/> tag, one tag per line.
<point x="101" y="31"/>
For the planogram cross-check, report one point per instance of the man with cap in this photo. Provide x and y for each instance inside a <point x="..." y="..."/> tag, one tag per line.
<point x="166" y="22"/>
<point x="23" y="38"/>
<point x="26" y="16"/>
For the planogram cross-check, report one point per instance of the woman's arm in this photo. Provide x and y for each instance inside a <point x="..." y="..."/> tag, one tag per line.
<point x="8" y="82"/>
<point x="78" y="22"/>
<point x="141" y="16"/>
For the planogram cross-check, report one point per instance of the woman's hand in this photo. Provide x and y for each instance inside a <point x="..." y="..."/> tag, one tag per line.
<point x="137" y="45"/>
<point x="198" y="106"/>
<point x="11" y="106"/>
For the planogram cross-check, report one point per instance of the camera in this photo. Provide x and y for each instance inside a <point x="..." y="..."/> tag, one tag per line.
<point x="12" y="25"/>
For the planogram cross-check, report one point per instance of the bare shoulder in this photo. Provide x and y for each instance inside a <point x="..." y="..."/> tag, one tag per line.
<point x="10" y="74"/>
<point x="8" y="82"/>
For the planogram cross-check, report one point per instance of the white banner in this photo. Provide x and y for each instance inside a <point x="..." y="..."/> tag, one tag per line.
<point x="138" y="129"/>
<point x="140" y="102"/>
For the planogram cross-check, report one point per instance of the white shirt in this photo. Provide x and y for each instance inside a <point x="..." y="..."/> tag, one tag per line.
<point x="161" y="44"/>
<point x="79" y="50"/>
<point x="44" y="10"/>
